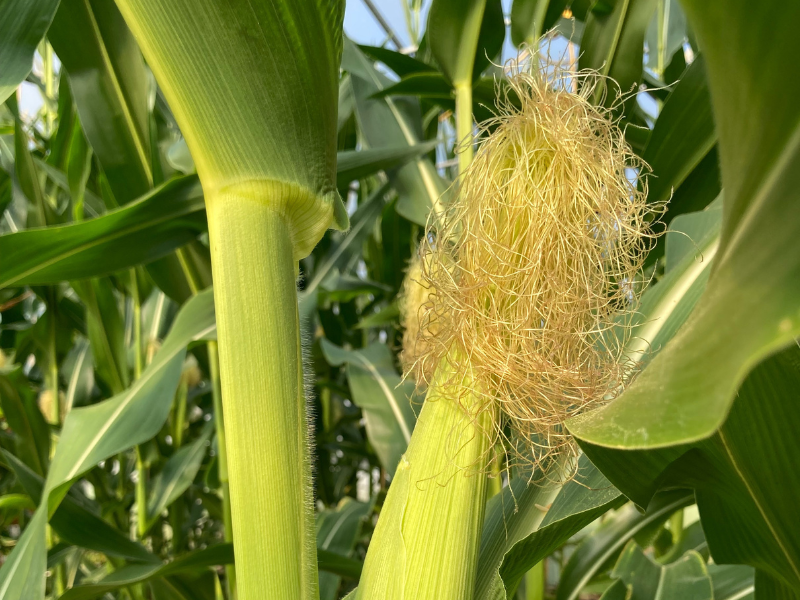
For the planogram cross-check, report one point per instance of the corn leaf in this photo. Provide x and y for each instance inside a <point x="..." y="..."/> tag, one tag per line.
<point x="177" y="475"/>
<point x="683" y="137"/>
<point x="355" y="164"/>
<point x="75" y="522"/>
<point x="379" y="392"/>
<point x="531" y="18"/>
<point x="25" y="420"/>
<point x="220" y="554"/>
<point x="533" y="531"/>
<point x="142" y="231"/>
<point x="347" y="245"/>
<point x="337" y="532"/>
<point x="732" y="582"/>
<point x="611" y="538"/>
<point x="465" y="36"/>
<point x="643" y="579"/>
<point x="613" y="44"/>
<point x="697" y="399"/>
<point x="94" y="433"/>
<point x="22" y="25"/>
<point x="392" y="122"/>
<point x="109" y="84"/>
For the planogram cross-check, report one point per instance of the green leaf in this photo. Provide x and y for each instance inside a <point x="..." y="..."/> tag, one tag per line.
<point x="106" y="332"/>
<point x="401" y="64"/>
<point x="732" y="582"/>
<point x="109" y="84"/>
<point x="355" y="164"/>
<point x="691" y="394"/>
<point x="682" y="138"/>
<point x="770" y="588"/>
<point x="220" y="554"/>
<point x="343" y="288"/>
<point x="41" y="212"/>
<point x="516" y="537"/>
<point x="142" y="231"/>
<point x="384" y="399"/>
<point x="25" y="420"/>
<point x="685" y="579"/>
<point x="22" y="25"/>
<point x="691" y="245"/>
<point x="177" y="475"/>
<point x="78" y="371"/>
<point x="613" y="45"/>
<point x="428" y="84"/>
<point x="531" y="18"/>
<point x="94" y="433"/>
<point x="611" y="537"/>
<point x="73" y="520"/>
<point x="768" y="303"/>
<point x="665" y="35"/>
<point x="336" y="564"/>
<point x="337" y="532"/>
<point x="741" y="507"/>
<point x="393" y="122"/>
<point x="465" y="36"/>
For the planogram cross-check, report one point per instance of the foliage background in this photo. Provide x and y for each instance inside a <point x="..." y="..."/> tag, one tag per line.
<point x="102" y="165"/>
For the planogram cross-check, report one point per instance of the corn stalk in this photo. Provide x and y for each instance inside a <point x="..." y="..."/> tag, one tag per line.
<point x="254" y="90"/>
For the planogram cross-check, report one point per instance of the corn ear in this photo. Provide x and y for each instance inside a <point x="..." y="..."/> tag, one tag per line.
<point x="426" y="542"/>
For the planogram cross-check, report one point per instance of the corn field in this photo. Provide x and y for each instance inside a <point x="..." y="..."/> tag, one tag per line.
<point x="506" y="307"/>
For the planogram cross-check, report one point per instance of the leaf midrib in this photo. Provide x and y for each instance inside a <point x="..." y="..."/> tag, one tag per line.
<point x="411" y="139"/>
<point x="123" y="101"/>
<point x="751" y="491"/>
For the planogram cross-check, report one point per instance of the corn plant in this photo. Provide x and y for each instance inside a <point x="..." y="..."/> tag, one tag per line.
<point x="506" y="311"/>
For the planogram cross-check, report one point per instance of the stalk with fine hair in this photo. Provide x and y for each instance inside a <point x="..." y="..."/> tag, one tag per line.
<point x="254" y="89"/>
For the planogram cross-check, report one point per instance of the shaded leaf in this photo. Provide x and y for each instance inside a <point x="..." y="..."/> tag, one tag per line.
<point x="165" y="219"/>
<point x="393" y="122"/>
<point x="464" y="36"/>
<point x="177" y="475"/>
<point x="355" y="164"/>
<point x="611" y="537"/>
<point x="682" y="138"/>
<point x="93" y="433"/>
<point x="613" y="44"/>
<point x="74" y="522"/>
<point x="384" y="400"/>
<point x="109" y="84"/>
<point x="337" y="532"/>
<point x="531" y="18"/>
<point x="22" y="25"/>
<point x="25" y="420"/>
<point x="685" y="579"/>
<point x="503" y="560"/>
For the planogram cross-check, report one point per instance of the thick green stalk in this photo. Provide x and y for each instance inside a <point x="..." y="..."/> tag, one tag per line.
<point x="256" y="307"/>
<point x="222" y="460"/>
<point x="426" y="544"/>
<point x="464" y="128"/>
<point x="253" y="87"/>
